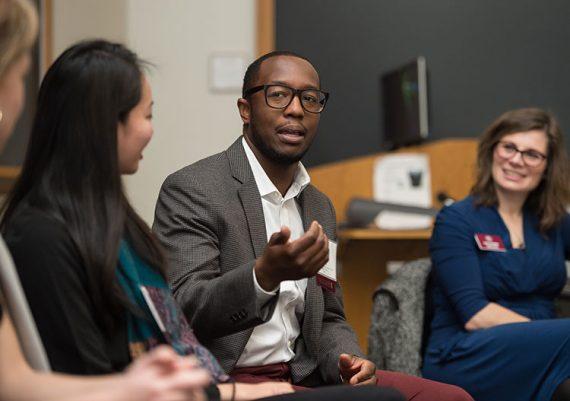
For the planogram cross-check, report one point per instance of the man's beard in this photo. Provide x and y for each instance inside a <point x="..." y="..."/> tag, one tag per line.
<point x="270" y="153"/>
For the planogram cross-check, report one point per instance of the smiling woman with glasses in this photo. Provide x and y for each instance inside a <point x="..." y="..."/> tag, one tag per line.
<point x="499" y="262"/>
<point x="281" y="96"/>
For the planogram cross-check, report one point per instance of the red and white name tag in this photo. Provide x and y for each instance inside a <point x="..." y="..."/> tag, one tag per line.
<point x="489" y="242"/>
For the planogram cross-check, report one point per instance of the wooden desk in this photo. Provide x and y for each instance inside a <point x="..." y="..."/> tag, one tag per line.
<point x="451" y="163"/>
<point x="363" y="255"/>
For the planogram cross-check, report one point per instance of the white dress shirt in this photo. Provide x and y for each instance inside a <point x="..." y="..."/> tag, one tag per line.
<point x="274" y="341"/>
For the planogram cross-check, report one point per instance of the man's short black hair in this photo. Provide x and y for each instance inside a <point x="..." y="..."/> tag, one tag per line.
<point x="253" y="70"/>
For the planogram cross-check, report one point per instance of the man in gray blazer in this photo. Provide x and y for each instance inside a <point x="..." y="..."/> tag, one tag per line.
<point x="246" y="233"/>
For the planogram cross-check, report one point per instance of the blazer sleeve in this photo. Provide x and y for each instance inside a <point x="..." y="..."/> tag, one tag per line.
<point x="187" y="224"/>
<point x="55" y="284"/>
<point x="456" y="263"/>
<point x="337" y="335"/>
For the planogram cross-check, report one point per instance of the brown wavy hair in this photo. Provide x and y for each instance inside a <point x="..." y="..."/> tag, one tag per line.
<point x="550" y="198"/>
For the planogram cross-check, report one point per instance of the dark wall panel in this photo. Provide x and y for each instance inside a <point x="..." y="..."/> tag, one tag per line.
<point x="483" y="57"/>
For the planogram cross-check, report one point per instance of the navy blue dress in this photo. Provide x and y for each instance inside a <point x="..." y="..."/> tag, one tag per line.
<point x="516" y="361"/>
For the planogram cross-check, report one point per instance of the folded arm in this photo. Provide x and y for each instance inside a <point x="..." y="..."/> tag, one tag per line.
<point x="457" y="271"/>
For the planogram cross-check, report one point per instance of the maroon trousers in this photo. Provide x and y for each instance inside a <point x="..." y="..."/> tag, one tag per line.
<point x="413" y="388"/>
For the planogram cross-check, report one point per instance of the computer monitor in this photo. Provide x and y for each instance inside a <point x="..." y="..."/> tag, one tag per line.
<point x="405" y="104"/>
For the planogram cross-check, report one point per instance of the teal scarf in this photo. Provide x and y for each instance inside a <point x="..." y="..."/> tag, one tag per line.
<point x="158" y="318"/>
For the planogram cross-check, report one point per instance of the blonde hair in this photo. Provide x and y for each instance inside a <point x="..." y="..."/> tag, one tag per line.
<point x="18" y="31"/>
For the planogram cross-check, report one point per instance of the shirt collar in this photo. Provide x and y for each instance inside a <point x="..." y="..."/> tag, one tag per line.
<point x="264" y="184"/>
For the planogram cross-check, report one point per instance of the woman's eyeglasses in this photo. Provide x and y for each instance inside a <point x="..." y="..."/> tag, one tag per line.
<point x="530" y="157"/>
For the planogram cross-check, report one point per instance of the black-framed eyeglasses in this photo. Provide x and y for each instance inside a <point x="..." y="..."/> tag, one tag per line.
<point x="281" y="96"/>
<point x="531" y="157"/>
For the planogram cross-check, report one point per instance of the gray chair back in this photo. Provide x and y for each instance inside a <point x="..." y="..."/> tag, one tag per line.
<point x="396" y="336"/>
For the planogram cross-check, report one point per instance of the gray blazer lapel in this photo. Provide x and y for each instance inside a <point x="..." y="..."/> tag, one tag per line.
<point x="251" y="203"/>
<point x="314" y="303"/>
<point x="249" y="196"/>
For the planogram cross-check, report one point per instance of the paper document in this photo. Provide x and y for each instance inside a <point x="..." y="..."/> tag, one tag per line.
<point x="403" y="179"/>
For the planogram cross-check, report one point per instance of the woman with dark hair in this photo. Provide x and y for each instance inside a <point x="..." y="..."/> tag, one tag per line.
<point x="90" y="267"/>
<point x="159" y="375"/>
<point x="499" y="262"/>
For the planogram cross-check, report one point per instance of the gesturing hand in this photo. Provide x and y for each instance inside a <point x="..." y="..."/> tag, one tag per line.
<point x="283" y="259"/>
<point x="356" y="371"/>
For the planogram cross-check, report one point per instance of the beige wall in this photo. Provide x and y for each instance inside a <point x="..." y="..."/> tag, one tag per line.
<point x="75" y="20"/>
<point x="191" y="123"/>
<point x="178" y="36"/>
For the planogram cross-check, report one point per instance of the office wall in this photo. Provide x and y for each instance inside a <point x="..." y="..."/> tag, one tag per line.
<point x="177" y="36"/>
<point x="75" y="20"/>
<point x="483" y="56"/>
